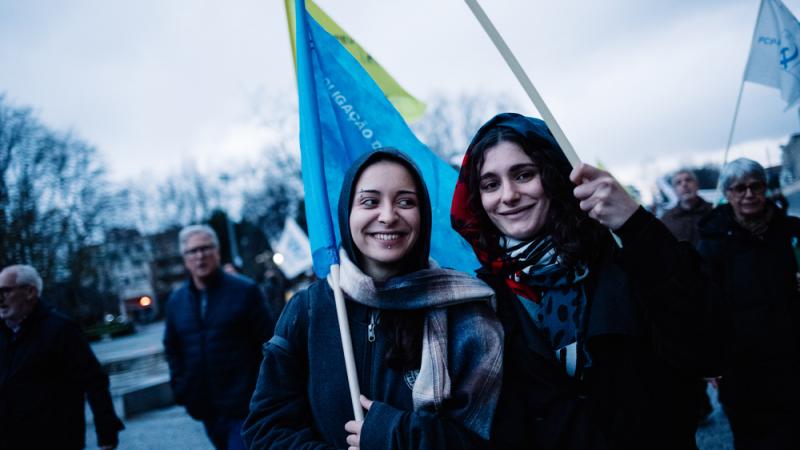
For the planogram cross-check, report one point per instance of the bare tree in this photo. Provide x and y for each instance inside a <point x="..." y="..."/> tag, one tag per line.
<point x="451" y="121"/>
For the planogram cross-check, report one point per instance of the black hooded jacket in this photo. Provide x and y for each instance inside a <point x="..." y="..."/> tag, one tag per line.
<point x="302" y="400"/>
<point x="645" y="326"/>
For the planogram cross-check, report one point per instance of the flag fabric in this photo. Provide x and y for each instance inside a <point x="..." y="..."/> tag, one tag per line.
<point x="409" y="107"/>
<point x="775" y="56"/>
<point x="344" y="114"/>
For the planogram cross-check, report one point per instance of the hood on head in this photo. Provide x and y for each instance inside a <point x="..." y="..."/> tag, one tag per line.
<point x="471" y="223"/>
<point x="418" y="258"/>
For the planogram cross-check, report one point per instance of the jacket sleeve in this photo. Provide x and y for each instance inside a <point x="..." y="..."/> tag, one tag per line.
<point x="280" y="415"/>
<point x="679" y="298"/>
<point x="83" y="366"/>
<point x="261" y="323"/>
<point x="475" y="366"/>
<point x="390" y="428"/>
<point x="173" y="352"/>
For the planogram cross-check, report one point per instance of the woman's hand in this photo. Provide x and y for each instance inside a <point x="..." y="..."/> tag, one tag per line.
<point x="354" y="427"/>
<point x="602" y="197"/>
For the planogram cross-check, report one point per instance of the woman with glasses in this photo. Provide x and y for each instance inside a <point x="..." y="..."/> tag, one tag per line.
<point x="750" y="246"/>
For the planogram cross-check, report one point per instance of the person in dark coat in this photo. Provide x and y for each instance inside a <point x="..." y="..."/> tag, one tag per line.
<point x="599" y="352"/>
<point x="47" y="369"/>
<point x="750" y="247"/>
<point x="216" y="324"/>
<point x="427" y="346"/>
<point x="682" y="219"/>
<point x="682" y="222"/>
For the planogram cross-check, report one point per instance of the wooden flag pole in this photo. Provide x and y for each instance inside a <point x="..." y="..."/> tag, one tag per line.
<point x="347" y="343"/>
<point x="526" y="83"/>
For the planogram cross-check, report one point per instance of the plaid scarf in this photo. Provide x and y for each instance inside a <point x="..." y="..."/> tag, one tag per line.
<point x="435" y="290"/>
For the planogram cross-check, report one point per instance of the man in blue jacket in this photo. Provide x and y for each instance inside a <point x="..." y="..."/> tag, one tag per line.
<point x="216" y="325"/>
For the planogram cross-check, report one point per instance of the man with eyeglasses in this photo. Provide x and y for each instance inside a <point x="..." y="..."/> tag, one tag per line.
<point x="749" y="248"/>
<point x="46" y="370"/>
<point x="216" y="324"/>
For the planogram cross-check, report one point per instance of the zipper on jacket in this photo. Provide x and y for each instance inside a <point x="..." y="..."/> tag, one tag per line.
<point x="374" y="319"/>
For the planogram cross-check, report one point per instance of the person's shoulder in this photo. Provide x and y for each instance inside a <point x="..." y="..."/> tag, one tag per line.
<point x="238" y="280"/>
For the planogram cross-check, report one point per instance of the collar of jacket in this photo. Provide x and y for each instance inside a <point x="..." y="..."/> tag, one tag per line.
<point x="213" y="281"/>
<point x="36" y="315"/>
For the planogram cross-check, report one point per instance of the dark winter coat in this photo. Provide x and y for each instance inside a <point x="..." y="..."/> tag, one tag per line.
<point x="683" y="222"/>
<point x="214" y="362"/>
<point x="755" y="276"/>
<point x="45" y="374"/>
<point x="634" y="395"/>
<point x="646" y="325"/>
<point x="302" y="399"/>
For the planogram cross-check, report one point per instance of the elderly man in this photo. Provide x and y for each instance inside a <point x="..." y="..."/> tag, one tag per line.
<point x="46" y="370"/>
<point x="216" y="325"/>
<point x="682" y="219"/>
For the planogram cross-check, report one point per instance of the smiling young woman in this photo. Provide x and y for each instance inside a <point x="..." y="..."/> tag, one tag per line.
<point x="581" y="368"/>
<point x="428" y="346"/>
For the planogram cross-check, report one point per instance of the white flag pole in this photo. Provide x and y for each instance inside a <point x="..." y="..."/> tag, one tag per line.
<point x="733" y="124"/>
<point x="347" y="342"/>
<point x="526" y="83"/>
<point x="741" y="89"/>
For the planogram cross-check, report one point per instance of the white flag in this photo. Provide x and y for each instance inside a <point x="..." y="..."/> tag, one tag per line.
<point x="774" y="59"/>
<point x="294" y="247"/>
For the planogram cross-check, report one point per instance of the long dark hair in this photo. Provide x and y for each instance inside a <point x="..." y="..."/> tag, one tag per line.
<point x="575" y="235"/>
<point x="404" y="328"/>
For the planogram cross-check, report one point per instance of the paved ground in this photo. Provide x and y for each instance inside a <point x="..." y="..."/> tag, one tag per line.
<point x="165" y="429"/>
<point x="172" y="428"/>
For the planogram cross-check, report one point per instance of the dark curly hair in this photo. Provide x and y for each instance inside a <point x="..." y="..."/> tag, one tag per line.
<point x="575" y="235"/>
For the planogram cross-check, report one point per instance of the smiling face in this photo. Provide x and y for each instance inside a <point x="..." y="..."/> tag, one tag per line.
<point x="384" y="218"/>
<point x="511" y="191"/>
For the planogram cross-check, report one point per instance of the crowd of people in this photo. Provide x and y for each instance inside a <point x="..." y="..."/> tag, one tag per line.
<point x="591" y="324"/>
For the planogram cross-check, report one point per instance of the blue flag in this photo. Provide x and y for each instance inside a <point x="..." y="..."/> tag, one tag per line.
<point x="344" y="114"/>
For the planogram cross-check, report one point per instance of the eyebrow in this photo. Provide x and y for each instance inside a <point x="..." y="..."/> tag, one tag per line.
<point x="376" y="191"/>
<point x="513" y="168"/>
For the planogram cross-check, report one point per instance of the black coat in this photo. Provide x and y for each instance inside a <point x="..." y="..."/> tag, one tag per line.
<point x="214" y="362"/>
<point x="45" y="374"/>
<point x="302" y="399"/>
<point x="646" y="342"/>
<point x="756" y="281"/>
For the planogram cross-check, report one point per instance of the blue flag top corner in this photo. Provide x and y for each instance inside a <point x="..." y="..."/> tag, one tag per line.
<point x="344" y="114"/>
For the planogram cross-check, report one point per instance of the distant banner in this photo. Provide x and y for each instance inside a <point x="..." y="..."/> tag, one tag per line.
<point x="775" y="54"/>
<point x="294" y="247"/>
<point x="409" y="107"/>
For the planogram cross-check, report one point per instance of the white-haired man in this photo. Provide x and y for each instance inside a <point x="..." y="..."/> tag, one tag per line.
<point x="216" y="325"/>
<point x="46" y="370"/>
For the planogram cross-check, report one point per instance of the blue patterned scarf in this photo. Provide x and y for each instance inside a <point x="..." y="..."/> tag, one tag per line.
<point x="558" y="310"/>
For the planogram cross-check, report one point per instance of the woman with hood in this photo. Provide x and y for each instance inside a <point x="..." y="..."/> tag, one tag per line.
<point x="596" y="345"/>
<point x="427" y="345"/>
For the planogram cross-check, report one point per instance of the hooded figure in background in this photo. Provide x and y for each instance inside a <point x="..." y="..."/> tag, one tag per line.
<point x="591" y="355"/>
<point x="427" y="345"/>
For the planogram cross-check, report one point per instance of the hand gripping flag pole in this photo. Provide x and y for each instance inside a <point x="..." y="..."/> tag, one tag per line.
<point x="526" y="83"/>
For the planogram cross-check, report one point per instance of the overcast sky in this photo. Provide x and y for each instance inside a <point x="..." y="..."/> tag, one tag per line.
<point x="638" y="85"/>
